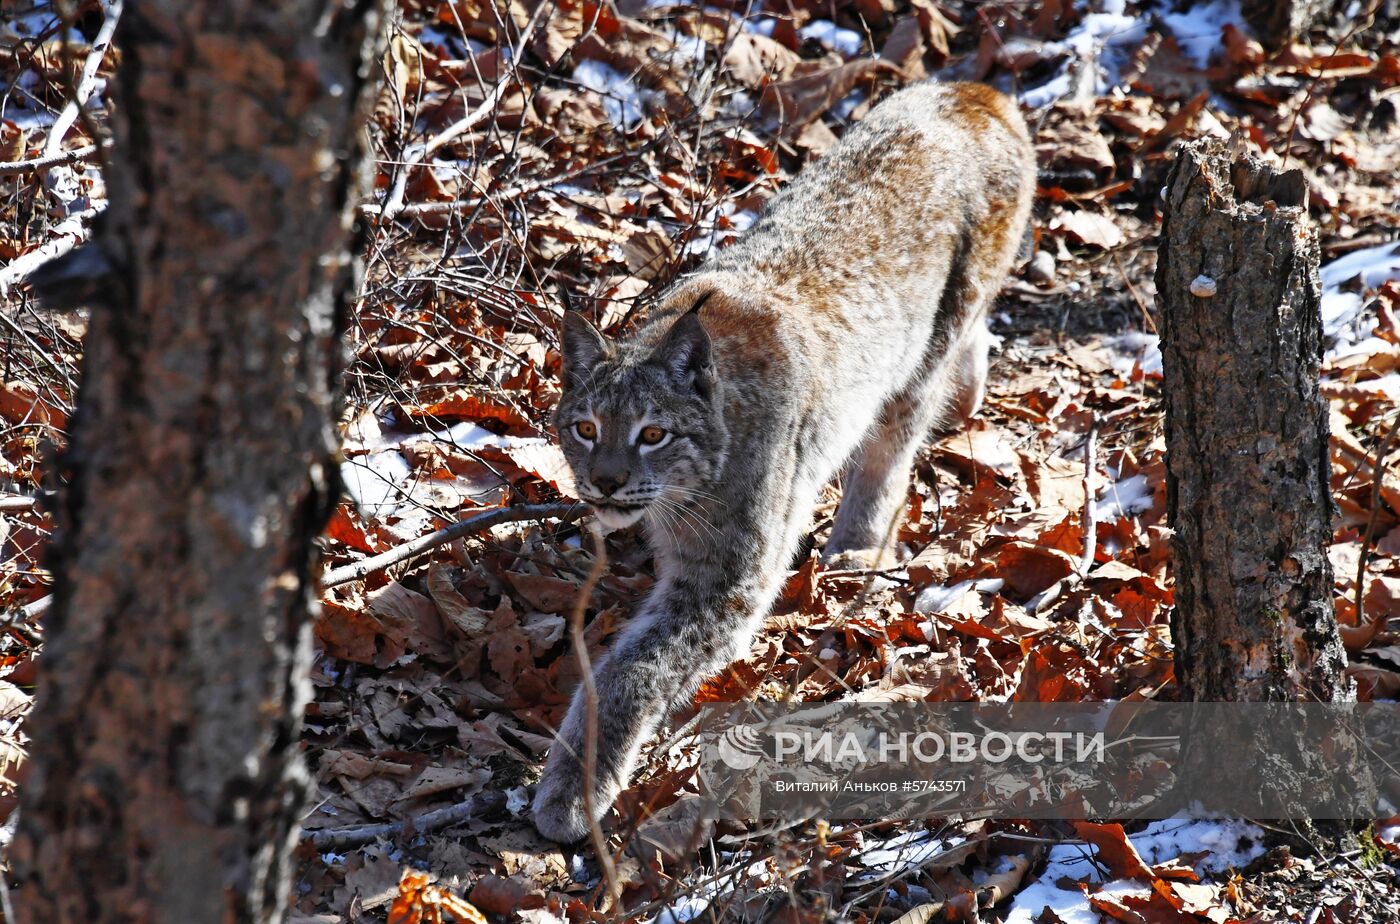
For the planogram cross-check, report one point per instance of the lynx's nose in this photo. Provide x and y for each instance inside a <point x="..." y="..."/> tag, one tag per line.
<point x="609" y="483"/>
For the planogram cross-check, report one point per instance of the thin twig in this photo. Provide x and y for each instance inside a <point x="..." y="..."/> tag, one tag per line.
<point x="356" y="835"/>
<point x="408" y="550"/>
<point x="1091" y="526"/>
<point x="1377" y="477"/>
<point x="465" y="206"/>
<point x="1086" y="559"/>
<point x="416" y="154"/>
<point x="1365" y="19"/>
<point x="1132" y="290"/>
<point x="13" y="167"/>
<point x="590" y="718"/>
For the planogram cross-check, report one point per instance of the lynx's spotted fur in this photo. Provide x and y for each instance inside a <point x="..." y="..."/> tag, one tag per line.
<point x="846" y="324"/>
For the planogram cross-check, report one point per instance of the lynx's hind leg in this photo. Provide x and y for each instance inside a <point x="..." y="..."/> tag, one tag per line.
<point x="970" y="377"/>
<point x="946" y="390"/>
<point x="876" y="485"/>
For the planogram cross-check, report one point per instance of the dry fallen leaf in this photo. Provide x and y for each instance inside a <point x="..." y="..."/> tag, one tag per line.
<point x="1088" y="228"/>
<point x="419" y="902"/>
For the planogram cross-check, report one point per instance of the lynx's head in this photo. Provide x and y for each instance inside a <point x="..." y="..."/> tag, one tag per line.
<point x="640" y="421"/>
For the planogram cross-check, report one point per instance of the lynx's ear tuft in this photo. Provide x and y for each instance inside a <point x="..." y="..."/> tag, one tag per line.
<point x="583" y="347"/>
<point x="685" y="352"/>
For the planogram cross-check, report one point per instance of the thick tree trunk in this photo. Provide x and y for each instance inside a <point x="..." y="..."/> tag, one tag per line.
<point x="166" y="783"/>
<point x="1247" y="462"/>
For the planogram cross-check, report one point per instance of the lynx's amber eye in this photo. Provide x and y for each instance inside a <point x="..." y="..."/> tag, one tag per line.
<point x="586" y="430"/>
<point x="650" y="436"/>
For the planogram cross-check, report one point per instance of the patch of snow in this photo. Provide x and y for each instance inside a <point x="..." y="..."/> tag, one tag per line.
<point x="1197" y="30"/>
<point x="517" y="800"/>
<point x="1345" y="322"/>
<point x="1227" y="844"/>
<point x="1107" y="39"/>
<point x="454" y="43"/>
<point x="374" y="482"/>
<point x="693" y="904"/>
<point x="623" y="101"/>
<point x="685" y="908"/>
<point x="1048" y="92"/>
<point x="449" y="169"/>
<point x="939" y="598"/>
<point x="1127" y="497"/>
<point x="1340" y="310"/>
<point x="740" y="104"/>
<point x="903" y="852"/>
<point x="1135" y="349"/>
<point x="762" y="27"/>
<point x="709" y="236"/>
<point x="688" y="47"/>
<point x="471" y="437"/>
<point x="1375" y="265"/>
<point x="847" y="42"/>
<point x="848" y="104"/>
<point x="40" y="19"/>
<point x="30" y="120"/>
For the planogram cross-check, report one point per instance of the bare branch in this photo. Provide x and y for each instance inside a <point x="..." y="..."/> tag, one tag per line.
<point x="63" y="158"/>
<point x="68" y="234"/>
<point x="355" y="835"/>
<point x="408" y="550"/>
<point x="112" y="10"/>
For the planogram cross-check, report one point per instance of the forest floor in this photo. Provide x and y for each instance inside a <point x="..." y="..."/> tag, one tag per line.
<point x="604" y="149"/>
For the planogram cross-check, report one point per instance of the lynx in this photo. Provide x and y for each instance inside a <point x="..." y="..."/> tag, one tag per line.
<point x="847" y="323"/>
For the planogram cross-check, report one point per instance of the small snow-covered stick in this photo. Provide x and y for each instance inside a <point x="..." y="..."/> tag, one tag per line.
<point x="355" y="835"/>
<point x="445" y="535"/>
<point x="111" y="11"/>
<point x="68" y="234"/>
<point x="62" y="158"/>
<point x="11" y="503"/>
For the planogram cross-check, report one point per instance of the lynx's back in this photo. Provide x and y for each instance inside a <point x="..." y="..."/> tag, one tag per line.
<point x="931" y="166"/>
<point x="873" y="270"/>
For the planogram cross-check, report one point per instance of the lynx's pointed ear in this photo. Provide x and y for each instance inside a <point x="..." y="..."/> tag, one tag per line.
<point x="583" y="348"/>
<point x="685" y="352"/>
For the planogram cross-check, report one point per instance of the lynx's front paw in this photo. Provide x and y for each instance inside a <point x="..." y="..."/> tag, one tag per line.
<point x="858" y="560"/>
<point x="558" y="808"/>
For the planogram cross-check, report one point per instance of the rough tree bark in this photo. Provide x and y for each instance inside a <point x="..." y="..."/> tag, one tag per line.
<point x="166" y="783"/>
<point x="1247" y="457"/>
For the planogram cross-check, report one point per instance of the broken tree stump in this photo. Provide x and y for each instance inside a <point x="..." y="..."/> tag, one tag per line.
<point x="1248" y="475"/>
